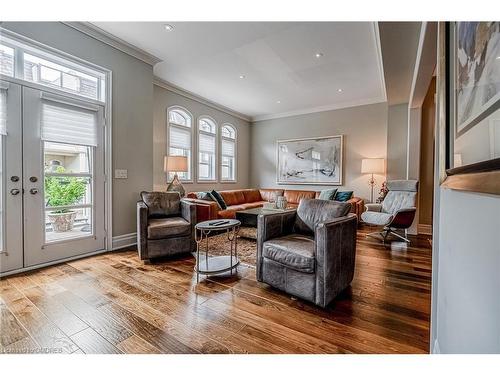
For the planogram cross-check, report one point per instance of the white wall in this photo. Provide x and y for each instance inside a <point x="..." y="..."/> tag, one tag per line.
<point x="466" y="302"/>
<point x="365" y="136"/>
<point x="163" y="99"/>
<point x="132" y="110"/>
<point x="397" y="141"/>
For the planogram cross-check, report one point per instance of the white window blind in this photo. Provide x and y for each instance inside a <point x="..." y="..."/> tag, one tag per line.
<point x="180" y="138"/>
<point x="3" y="112"/>
<point x="227" y="148"/>
<point x="67" y="124"/>
<point x="207" y="144"/>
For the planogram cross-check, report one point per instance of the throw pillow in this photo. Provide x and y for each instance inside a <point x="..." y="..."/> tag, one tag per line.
<point x="343" y="196"/>
<point x="204" y="195"/>
<point x="327" y="195"/>
<point x="218" y="198"/>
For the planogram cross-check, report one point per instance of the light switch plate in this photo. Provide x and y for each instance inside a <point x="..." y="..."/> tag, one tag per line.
<point x="121" y="173"/>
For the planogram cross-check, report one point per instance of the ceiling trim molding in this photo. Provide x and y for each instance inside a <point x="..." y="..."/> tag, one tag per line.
<point x="113" y="41"/>
<point x="380" y="62"/>
<point x="190" y="95"/>
<point x="425" y="64"/>
<point x="324" y="108"/>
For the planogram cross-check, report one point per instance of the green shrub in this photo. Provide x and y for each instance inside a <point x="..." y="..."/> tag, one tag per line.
<point x="63" y="191"/>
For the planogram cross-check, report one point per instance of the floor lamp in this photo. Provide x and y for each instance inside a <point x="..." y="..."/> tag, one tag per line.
<point x="175" y="164"/>
<point x="372" y="166"/>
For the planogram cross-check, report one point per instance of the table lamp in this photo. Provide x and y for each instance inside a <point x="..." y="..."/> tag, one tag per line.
<point x="372" y="166"/>
<point x="175" y="164"/>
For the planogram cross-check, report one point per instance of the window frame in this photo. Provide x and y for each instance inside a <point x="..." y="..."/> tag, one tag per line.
<point x="184" y="128"/>
<point x="235" y="156"/>
<point x="23" y="46"/>
<point x="215" y="136"/>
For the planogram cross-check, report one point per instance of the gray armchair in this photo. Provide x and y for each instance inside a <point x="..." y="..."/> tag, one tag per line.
<point x="165" y="225"/>
<point x="397" y="210"/>
<point x="309" y="253"/>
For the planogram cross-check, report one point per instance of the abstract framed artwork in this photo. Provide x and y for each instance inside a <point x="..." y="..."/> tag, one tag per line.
<point x="310" y="161"/>
<point x="476" y="57"/>
<point x="468" y="110"/>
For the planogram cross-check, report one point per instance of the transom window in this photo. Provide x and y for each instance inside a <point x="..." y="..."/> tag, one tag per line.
<point x="207" y="129"/>
<point x="179" y="138"/>
<point x="228" y="153"/>
<point x="25" y="62"/>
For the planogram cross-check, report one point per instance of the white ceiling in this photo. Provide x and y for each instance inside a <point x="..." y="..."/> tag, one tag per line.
<point x="277" y="59"/>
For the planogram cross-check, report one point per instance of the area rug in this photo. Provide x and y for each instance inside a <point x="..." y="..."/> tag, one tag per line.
<point x="247" y="247"/>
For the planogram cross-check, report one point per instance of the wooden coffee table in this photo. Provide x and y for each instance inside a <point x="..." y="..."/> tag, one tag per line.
<point x="248" y="218"/>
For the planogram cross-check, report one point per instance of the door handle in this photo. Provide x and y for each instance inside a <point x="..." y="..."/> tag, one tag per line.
<point x="33" y="191"/>
<point x="15" y="191"/>
<point x="14" y="178"/>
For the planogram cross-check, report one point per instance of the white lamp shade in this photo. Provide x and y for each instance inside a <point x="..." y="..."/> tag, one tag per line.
<point x="373" y="166"/>
<point x="175" y="164"/>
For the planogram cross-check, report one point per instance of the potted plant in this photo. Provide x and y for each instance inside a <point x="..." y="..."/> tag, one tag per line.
<point x="63" y="191"/>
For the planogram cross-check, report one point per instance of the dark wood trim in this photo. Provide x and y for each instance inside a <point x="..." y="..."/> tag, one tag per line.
<point x="481" y="167"/>
<point x="483" y="182"/>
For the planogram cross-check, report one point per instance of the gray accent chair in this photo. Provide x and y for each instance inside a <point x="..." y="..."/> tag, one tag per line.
<point x="165" y="225"/>
<point x="309" y="253"/>
<point x="396" y="212"/>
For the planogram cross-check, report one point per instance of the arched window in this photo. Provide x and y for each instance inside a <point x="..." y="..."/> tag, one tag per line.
<point x="207" y="133"/>
<point x="179" y="138"/>
<point x="228" y="153"/>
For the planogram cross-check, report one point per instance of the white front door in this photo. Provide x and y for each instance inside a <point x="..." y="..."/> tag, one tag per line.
<point x="52" y="178"/>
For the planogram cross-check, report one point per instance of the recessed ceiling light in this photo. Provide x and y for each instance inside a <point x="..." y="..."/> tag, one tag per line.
<point x="242" y="76"/>
<point x="278" y="101"/>
<point x="339" y="90"/>
<point x="318" y="55"/>
<point x="168" y="27"/>
<point x="498" y="57"/>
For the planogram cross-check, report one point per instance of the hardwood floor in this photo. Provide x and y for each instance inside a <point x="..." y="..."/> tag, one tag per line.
<point x="113" y="303"/>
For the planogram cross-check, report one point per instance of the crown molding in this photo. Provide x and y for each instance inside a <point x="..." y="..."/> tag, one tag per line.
<point x="190" y="95"/>
<point x="380" y="61"/>
<point x="113" y="41"/>
<point x="325" y="108"/>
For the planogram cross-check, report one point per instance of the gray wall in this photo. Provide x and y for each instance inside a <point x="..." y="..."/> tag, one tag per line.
<point x="466" y="304"/>
<point x="163" y="99"/>
<point x="132" y="110"/>
<point x="397" y="141"/>
<point x="365" y="136"/>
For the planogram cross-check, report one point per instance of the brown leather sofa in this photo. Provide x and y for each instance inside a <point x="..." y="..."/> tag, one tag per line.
<point x="243" y="199"/>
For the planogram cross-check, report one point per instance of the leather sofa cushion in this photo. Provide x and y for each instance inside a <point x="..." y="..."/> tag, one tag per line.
<point x="253" y="205"/>
<point x="295" y="196"/>
<point x="270" y="194"/>
<point x="233" y="197"/>
<point x="162" y="204"/>
<point x="168" y="227"/>
<point x="315" y="211"/>
<point x="252" y="195"/>
<point x="293" y="251"/>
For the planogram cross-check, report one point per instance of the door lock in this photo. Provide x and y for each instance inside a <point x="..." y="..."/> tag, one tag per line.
<point x="14" y="178"/>
<point x="15" y="191"/>
<point x="33" y="191"/>
<point x="33" y="179"/>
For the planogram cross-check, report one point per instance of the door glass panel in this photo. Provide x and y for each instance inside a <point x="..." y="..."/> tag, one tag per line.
<point x="68" y="191"/>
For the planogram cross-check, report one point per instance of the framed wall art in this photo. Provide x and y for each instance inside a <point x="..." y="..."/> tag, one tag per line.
<point x="310" y="161"/>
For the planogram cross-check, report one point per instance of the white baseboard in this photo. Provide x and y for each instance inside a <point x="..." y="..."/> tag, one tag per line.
<point x="124" y="240"/>
<point x="435" y="347"/>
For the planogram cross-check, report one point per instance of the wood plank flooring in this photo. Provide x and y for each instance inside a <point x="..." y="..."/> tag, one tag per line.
<point x="113" y="303"/>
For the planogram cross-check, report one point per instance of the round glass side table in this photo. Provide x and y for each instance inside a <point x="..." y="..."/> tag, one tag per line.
<point x="217" y="264"/>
